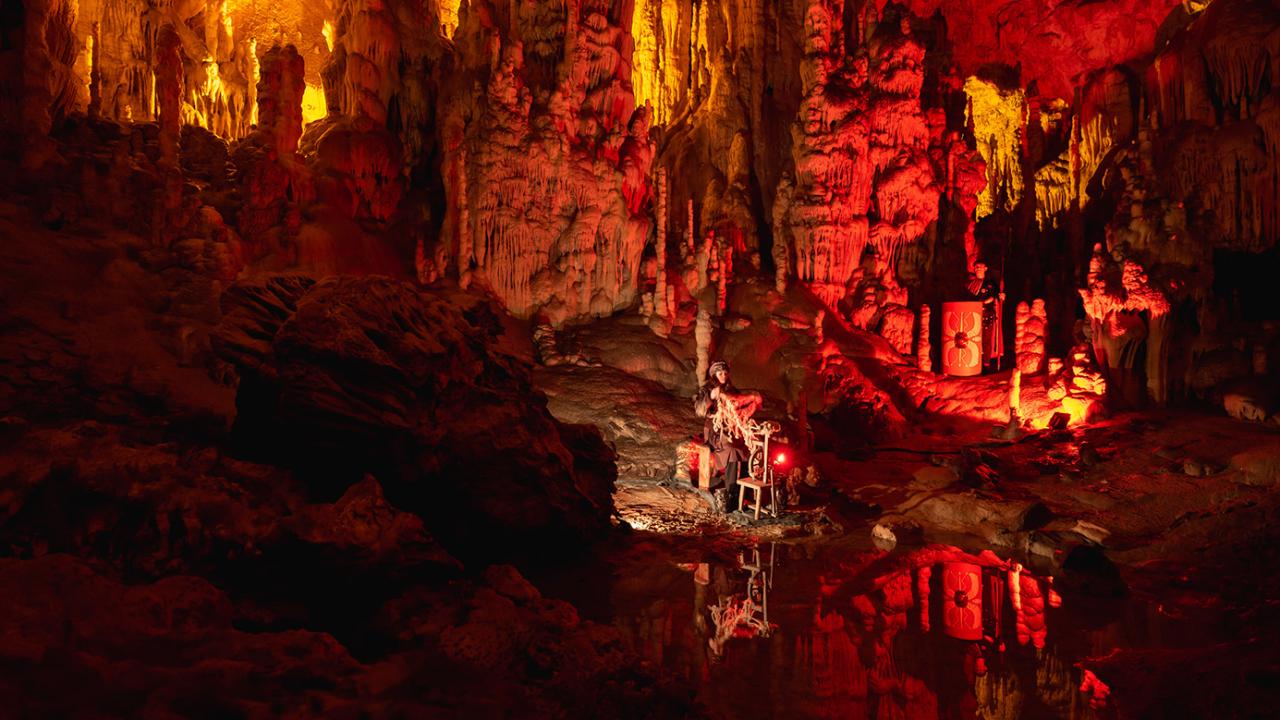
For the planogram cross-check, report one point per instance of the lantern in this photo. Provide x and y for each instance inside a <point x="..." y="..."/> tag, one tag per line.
<point x="962" y="338"/>
<point x="962" y="600"/>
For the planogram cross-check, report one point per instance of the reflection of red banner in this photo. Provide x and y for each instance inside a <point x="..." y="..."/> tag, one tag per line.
<point x="922" y="587"/>
<point x="962" y="338"/>
<point x="962" y="600"/>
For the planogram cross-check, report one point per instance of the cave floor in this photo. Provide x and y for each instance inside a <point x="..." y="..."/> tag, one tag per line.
<point x="1129" y="483"/>
<point x="1159" y="528"/>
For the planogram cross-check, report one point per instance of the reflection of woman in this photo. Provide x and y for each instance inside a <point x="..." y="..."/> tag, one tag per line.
<point x="718" y="394"/>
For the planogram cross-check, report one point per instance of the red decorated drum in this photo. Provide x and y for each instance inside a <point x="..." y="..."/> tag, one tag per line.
<point x="962" y="338"/>
<point x="962" y="600"/>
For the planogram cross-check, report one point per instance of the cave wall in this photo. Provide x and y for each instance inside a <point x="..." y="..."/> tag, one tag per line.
<point x="581" y="158"/>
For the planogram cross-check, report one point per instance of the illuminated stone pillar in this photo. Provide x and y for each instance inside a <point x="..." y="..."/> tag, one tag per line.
<point x="169" y="89"/>
<point x="924" y="349"/>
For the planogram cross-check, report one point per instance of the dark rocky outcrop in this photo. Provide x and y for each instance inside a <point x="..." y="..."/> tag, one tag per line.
<point x="354" y="375"/>
<point x="175" y="648"/>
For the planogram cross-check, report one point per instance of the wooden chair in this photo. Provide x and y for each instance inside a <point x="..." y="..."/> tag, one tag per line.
<point x="757" y="487"/>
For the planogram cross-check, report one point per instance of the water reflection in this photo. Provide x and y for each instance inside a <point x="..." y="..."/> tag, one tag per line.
<point x="782" y="631"/>
<point x="744" y="614"/>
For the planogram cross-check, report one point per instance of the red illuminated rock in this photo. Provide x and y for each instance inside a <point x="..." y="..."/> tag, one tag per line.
<point x="1054" y="45"/>
<point x="1030" y="324"/>
<point x="550" y="176"/>
<point x="1124" y="313"/>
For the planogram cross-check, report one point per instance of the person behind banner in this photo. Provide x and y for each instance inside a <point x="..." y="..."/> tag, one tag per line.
<point x="718" y="394"/>
<point x="987" y="290"/>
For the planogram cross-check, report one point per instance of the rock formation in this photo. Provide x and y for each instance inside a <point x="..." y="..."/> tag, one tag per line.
<point x="1031" y="324"/>
<point x="444" y="415"/>
<point x="305" y="297"/>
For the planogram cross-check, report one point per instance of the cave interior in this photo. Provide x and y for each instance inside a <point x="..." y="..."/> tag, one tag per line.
<point x="640" y="358"/>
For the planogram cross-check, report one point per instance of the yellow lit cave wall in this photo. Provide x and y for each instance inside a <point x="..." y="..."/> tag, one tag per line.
<point x="997" y="116"/>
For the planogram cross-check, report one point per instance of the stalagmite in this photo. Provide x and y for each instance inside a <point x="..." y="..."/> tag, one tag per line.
<point x="723" y="255"/>
<point x="690" y="231"/>
<point x="660" y="244"/>
<point x="558" y="220"/>
<point x="48" y="84"/>
<point x="1031" y="324"/>
<point x="924" y="349"/>
<point x="266" y="161"/>
<point x="1125" y="316"/>
<point x="781" y="237"/>
<point x="702" y="343"/>
<point x="169" y="87"/>
<point x="1015" y="395"/>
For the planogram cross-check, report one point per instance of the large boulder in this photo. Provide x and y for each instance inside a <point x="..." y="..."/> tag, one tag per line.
<point x="152" y="650"/>
<point x="153" y="509"/>
<point x="354" y="375"/>
<point x="178" y="647"/>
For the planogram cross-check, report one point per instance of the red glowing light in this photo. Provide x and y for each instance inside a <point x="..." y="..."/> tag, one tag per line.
<point x="782" y="457"/>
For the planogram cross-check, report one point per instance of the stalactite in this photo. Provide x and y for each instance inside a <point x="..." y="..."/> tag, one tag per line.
<point x="1055" y="190"/>
<point x="449" y="16"/>
<point x="1229" y="173"/>
<point x="646" y="64"/>
<point x="1238" y="63"/>
<point x="1094" y="139"/>
<point x="861" y="133"/>
<point x="997" y="116"/>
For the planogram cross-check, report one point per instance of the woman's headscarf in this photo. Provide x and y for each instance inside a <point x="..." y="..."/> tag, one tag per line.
<point x="716" y="366"/>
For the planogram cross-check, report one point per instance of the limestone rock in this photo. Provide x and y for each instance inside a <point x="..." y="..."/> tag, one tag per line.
<point x="363" y="531"/>
<point x="371" y="374"/>
<point x="1258" y="467"/>
<point x="893" y="531"/>
<point x="972" y="514"/>
<point x="933" y="477"/>
<point x="152" y="647"/>
<point x="1248" y="401"/>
